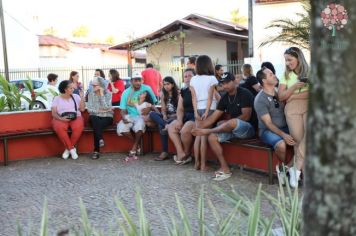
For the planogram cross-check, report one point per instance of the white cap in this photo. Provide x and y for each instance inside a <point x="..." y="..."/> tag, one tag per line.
<point x="136" y="74"/>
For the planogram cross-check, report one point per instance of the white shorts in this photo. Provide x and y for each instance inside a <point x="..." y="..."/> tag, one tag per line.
<point x="137" y="124"/>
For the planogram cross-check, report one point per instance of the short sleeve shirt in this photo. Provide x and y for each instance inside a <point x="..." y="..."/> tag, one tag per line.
<point x="293" y="78"/>
<point x="265" y="104"/>
<point x="233" y="104"/>
<point x="201" y="85"/>
<point x="66" y="105"/>
<point x="131" y="110"/>
<point x="248" y="83"/>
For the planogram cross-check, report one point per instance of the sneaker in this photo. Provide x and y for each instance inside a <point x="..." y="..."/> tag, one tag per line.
<point x="101" y="143"/>
<point x="65" y="154"/>
<point x="95" y="155"/>
<point x="294" y="175"/>
<point x="73" y="153"/>
<point x="281" y="174"/>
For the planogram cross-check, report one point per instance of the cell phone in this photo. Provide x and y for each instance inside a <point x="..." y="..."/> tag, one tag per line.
<point x="304" y="80"/>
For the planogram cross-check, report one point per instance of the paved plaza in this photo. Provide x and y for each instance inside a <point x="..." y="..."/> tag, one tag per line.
<point x="25" y="184"/>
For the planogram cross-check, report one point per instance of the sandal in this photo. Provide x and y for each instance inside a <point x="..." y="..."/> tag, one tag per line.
<point x="186" y="160"/>
<point x="220" y="175"/>
<point x="132" y="156"/>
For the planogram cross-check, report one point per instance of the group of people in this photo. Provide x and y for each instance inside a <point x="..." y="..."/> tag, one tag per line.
<point x="213" y="107"/>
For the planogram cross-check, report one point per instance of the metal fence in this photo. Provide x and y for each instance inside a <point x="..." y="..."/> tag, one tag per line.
<point x="86" y="73"/>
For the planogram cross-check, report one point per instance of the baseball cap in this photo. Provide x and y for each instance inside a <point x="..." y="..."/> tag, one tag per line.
<point x="226" y="77"/>
<point x="136" y="75"/>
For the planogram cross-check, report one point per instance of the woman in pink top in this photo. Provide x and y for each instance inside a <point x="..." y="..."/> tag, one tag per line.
<point x="66" y="112"/>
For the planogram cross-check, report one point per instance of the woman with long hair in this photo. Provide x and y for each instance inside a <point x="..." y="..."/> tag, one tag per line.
<point x="169" y="103"/>
<point x="293" y="89"/>
<point x="116" y="87"/>
<point x="74" y="78"/>
<point x="249" y="81"/>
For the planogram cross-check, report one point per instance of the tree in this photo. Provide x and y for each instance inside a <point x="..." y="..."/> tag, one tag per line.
<point x="330" y="174"/>
<point x="237" y="18"/>
<point x="81" y="31"/>
<point x="295" y="32"/>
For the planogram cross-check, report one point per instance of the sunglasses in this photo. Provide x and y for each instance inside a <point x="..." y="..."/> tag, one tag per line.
<point x="291" y="51"/>
<point x="276" y="103"/>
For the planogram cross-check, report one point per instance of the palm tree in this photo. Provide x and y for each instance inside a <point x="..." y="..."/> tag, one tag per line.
<point x="291" y="31"/>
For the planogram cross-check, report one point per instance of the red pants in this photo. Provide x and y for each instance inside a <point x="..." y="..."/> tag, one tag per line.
<point x="61" y="128"/>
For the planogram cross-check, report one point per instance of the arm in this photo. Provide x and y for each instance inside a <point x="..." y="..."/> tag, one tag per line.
<point x="90" y="104"/>
<point x="194" y="101"/>
<point x="210" y="101"/>
<point x="284" y="93"/>
<point x="113" y="89"/>
<point x="216" y="94"/>
<point x="57" y="117"/>
<point x="163" y="107"/>
<point x="266" y="119"/>
<point x="82" y="101"/>
<point x="105" y="102"/>
<point x="246" y="113"/>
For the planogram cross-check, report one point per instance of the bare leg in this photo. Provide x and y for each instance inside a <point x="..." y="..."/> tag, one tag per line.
<point x="203" y="150"/>
<point x="218" y="151"/>
<point x="138" y="137"/>
<point x="187" y="137"/>
<point x="197" y="152"/>
<point x="176" y="139"/>
<point x="129" y="135"/>
<point x="280" y="150"/>
<point x="223" y="128"/>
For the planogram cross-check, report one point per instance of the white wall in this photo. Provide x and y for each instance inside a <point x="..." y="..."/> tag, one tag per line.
<point x="263" y="14"/>
<point x="196" y="43"/>
<point x="22" y="45"/>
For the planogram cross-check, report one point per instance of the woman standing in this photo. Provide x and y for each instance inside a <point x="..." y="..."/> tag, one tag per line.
<point x="179" y="131"/>
<point x="74" y="77"/>
<point x="66" y="112"/>
<point x="169" y="102"/>
<point x="116" y="87"/>
<point x="249" y="81"/>
<point x="293" y="89"/>
<point x="100" y="112"/>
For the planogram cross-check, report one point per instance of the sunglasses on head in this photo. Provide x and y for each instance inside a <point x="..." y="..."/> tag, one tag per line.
<point x="276" y="103"/>
<point x="291" y="51"/>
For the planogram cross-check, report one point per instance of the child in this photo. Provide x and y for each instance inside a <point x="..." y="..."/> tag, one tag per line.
<point x="203" y="103"/>
<point x="143" y="102"/>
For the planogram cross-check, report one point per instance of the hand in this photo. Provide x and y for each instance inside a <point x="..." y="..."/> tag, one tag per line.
<point x="65" y="119"/>
<point x="205" y="115"/>
<point x="288" y="139"/>
<point x="299" y="85"/>
<point x="146" y="110"/>
<point x="198" y="123"/>
<point x="179" y="125"/>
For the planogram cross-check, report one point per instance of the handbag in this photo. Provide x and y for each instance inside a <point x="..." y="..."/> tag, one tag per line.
<point x="69" y="114"/>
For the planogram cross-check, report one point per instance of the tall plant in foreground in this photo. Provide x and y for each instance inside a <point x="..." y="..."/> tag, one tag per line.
<point x="244" y="218"/>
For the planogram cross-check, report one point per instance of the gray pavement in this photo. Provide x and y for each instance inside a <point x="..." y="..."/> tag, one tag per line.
<point x="25" y="184"/>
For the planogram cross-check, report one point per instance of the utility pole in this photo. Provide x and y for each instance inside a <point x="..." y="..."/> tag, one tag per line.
<point x="3" y="36"/>
<point x="250" y="28"/>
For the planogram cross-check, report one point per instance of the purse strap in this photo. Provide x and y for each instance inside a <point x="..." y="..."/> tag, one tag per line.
<point x="75" y="104"/>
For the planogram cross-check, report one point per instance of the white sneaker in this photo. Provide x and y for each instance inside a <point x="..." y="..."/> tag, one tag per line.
<point x="294" y="175"/>
<point x="65" y="154"/>
<point x="281" y="175"/>
<point x="73" y="153"/>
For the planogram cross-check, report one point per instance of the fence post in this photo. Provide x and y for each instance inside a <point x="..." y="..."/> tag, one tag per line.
<point x="39" y="72"/>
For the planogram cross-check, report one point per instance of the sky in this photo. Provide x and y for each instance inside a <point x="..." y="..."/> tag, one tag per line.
<point x="117" y="18"/>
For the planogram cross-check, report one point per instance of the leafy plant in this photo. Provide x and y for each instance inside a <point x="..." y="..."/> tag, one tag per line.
<point x="296" y="32"/>
<point x="11" y="99"/>
<point x="34" y="94"/>
<point x="287" y="208"/>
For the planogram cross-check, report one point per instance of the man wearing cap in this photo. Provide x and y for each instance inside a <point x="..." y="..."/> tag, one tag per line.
<point x="131" y="118"/>
<point x="237" y="103"/>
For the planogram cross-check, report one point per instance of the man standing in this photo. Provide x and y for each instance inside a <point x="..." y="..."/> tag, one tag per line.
<point x="152" y="78"/>
<point x="237" y="103"/>
<point x="131" y="118"/>
<point x="272" y="123"/>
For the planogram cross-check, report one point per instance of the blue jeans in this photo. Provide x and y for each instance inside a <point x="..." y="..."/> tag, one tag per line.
<point x="158" y="119"/>
<point x="271" y="138"/>
<point x="243" y="130"/>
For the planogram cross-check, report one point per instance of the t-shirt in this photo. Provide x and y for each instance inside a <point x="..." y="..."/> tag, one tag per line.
<point x="171" y="108"/>
<point x="66" y="105"/>
<point x="187" y="100"/>
<point x="120" y="85"/>
<point x="152" y="78"/>
<point x="131" y="110"/>
<point x="248" y="83"/>
<point x="201" y="85"/>
<point x="293" y="78"/>
<point x="266" y="104"/>
<point x="233" y="104"/>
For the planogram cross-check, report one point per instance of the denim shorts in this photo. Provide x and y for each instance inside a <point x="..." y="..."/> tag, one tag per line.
<point x="243" y="130"/>
<point x="271" y="138"/>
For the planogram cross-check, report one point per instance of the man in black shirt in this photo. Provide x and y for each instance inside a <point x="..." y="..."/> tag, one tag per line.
<point x="237" y="103"/>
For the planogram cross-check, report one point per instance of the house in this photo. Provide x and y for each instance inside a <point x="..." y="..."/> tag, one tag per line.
<point x="193" y="35"/>
<point x="58" y="52"/>
<point x="264" y="12"/>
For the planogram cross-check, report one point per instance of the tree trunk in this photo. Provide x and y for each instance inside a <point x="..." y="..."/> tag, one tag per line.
<point x="329" y="205"/>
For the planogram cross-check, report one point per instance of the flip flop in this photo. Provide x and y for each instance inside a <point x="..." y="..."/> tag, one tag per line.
<point x="187" y="160"/>
<point x="220" y="176"/>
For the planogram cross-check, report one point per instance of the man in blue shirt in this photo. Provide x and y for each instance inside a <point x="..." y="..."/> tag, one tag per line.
<point x="131" y="117"/>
